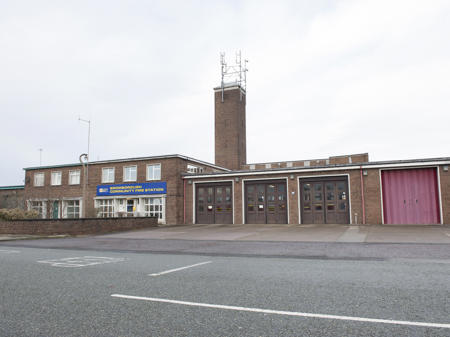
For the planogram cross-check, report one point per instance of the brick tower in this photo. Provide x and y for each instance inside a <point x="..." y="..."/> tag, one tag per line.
<point x="230" y="131"/>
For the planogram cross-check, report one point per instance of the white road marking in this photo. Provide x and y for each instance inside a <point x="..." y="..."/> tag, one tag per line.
<point x="177" y="269"/>
<point x="5" y="251"/>
<point x="286" y="313"/>
<point x="84" y="261"/>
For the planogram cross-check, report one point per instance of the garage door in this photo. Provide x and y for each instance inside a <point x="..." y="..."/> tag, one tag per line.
<point x="214" y="204"/>
<point x="265" y="202"/>
<point x="410" y="196"/>
<point x="324" y="200"/>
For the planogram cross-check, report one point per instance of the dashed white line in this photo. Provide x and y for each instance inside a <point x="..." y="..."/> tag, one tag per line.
<point x="286" y="313"/>
<point x="178" y="269"/>
<point x="7" y="251"/>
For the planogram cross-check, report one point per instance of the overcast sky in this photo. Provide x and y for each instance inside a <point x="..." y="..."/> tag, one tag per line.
<point x="325" y="78"/>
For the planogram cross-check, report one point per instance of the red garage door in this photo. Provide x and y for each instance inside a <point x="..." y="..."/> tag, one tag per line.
<point x="410" y="196"/>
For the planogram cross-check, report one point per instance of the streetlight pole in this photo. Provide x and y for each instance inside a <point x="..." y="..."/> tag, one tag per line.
<point x="83" y="159"/>
<point x="40" y="157"/>
<point x="89" y="143"/>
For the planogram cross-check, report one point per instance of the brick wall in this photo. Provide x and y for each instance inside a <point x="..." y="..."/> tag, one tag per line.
<point x="75" y="226"/>
<point x="230" y="129"/>
<point x="371" y="185"/>
<point x="12" y="198"/>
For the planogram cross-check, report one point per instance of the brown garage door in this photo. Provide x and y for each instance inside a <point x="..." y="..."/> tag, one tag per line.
<point x="324" y="201"/>
<point x="265" y="202"/>
<point x="214" y="204"/>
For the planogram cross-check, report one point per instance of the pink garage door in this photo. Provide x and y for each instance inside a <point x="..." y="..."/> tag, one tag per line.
<point x="410" y="196"/>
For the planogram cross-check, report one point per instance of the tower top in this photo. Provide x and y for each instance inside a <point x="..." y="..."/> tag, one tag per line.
<point x="234" y="74"/>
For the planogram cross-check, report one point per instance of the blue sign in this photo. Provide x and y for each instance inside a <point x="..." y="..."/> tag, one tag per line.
<point x="132" y="189"/>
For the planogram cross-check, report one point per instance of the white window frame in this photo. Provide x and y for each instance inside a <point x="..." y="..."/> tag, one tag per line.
<point x="103" y="174"/>
<point x="66" y="208"/>
<point x="71" y="172"/>
<point x="125" y="170"/>
<point x="148" y="202"/>
<point x="37" y="182"/>
<point x="194" y="169"/>
<point x="106" y="208"/>
<point x="153" y="177"/>
<point x="42" y="209"/>
<point x="52" y="180"/>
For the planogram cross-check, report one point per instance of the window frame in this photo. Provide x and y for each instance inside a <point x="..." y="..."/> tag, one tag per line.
<point x="147" y="175"/>
<point x="52" y="182"/>
<point x="79" y="177"/>
<point x="74" y="207"/>
<point x="113" y="175"/>
<point x="124" y="170"/>
<point x="41" y="174"/>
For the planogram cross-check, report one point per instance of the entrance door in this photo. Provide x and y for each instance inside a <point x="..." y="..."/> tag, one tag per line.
<point x="131" y="207"/>
<point x="324" y="201"/>
<point x="55" y="208"/>
<point x="214" y="204"/>
<point x="410" y="196"/>
<point x="266" y="202"/>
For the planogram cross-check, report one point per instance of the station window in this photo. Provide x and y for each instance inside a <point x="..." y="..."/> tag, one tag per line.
<point x="74" y="177"/>
<point x="194" y="169"/>
<point x="56" y="178"/>
<point x="37" y="206"/>
<point x="73" y="209"/>
<point x="154" y="207"/>
<point x="130" y="173"/>
<point x="39" y="179"/>
<point x="154" y="172"/>
<point x="108" y="175"/>
<point x="105" y="208"/>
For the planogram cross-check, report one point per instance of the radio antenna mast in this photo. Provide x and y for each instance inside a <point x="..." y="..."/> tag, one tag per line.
<point x="235" y="74"/>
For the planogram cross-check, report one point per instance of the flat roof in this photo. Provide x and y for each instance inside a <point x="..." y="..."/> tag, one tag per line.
<point x="15" y="187"/>
<point x="376" y="164"/>
<point x="130" y="159"/>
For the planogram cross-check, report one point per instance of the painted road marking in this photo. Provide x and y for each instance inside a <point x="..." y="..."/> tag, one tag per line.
<point x="6" y="251"/>
<point x="84" y="261"/>
<point x="181" y="268"/>
<point x="286" y="313"/>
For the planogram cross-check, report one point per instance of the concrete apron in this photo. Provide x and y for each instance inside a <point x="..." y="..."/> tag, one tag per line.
<point x="296" y="233"/>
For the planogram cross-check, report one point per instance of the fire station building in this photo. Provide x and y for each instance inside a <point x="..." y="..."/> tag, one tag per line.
<point x="177" y="189"/>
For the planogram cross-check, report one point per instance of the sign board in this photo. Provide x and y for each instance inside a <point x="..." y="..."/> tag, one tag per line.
<point x="132" y="189"/>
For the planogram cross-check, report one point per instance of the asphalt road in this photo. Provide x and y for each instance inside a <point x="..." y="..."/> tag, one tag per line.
<point x="64" y="292"/>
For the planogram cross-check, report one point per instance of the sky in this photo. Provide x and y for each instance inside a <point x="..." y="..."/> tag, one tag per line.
<point x="325" y="78"/>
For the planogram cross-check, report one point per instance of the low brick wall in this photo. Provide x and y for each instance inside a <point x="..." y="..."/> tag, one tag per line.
<point x="75" y="226"/>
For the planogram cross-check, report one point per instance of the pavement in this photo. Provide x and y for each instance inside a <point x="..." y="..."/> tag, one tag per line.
<point x="296" y="233"/>
<point x="292" y="233"/>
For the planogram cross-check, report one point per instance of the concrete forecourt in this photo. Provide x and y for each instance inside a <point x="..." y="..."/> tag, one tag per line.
<point x="74" y="287"/>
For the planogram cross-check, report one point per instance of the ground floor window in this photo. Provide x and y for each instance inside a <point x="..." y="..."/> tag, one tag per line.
<point x="153" y="207"/>
<point x="38" y="206"/>
<point x="73" y="209"/>
<point x="105" y="208"/>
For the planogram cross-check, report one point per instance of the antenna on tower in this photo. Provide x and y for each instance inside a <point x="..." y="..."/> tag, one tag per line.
<point x="235" y="74"/>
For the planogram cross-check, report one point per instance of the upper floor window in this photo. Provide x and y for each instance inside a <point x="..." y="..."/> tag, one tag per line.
<point x="194" y="169"/>
<point x="108" y="175"/>
<point x="154" y="172"/>
<point x="56" y="178"/>
<point x="130" y="173"/>
<point x="74" y="177"/>
<point x="39" y="179"/>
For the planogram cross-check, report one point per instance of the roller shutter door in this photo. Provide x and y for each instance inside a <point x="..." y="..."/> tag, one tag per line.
<point x="410" y="196"/>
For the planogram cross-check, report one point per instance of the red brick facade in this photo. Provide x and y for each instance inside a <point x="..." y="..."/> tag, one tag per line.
<point x="370" y="184"/>
<point x="230" y="128"/>
<point x="172" y="168"/>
